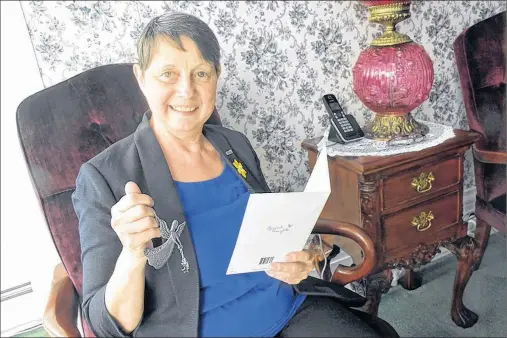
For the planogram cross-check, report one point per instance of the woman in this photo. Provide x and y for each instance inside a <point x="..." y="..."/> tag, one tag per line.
<point x="160" y="210"/>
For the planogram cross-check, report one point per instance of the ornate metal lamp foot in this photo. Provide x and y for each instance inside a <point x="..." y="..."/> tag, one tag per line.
<point x="395" y="127"/>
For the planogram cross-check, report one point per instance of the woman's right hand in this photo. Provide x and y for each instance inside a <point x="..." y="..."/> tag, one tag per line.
<point x="133" y="220"/>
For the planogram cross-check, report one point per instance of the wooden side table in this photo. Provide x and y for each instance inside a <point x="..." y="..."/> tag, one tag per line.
<point x="410" y="204"/>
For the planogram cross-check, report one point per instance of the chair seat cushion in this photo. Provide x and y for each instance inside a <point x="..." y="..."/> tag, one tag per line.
<point x="490" y="180"/>
<point x="499" y="203"/>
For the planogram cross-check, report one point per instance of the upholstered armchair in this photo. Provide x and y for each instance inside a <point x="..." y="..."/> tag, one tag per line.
<point x="480" y="58"/>
<point x="65" y="125"/>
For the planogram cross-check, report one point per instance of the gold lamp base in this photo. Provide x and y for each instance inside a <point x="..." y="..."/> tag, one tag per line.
<point x="395" y="127"/>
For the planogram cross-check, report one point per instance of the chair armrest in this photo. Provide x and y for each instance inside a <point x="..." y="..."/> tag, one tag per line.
<point x="344" y="275"/>
<point x="60" y="314"/>
<point x="489" y="156"/>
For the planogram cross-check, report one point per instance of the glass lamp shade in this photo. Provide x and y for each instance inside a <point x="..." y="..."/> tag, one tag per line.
<point x="393" y="80"/>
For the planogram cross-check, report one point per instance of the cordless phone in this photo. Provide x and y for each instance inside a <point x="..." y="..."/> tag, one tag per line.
<point x="344" y="127"/>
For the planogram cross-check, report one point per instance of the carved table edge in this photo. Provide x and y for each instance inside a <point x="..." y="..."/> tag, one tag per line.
<point x="421" y="255"/>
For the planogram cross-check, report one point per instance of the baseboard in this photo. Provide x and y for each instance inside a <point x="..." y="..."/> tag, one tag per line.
<point x="23" y="329"/>
<point x="469" y="210"/>
<point x="469" y="206"/>
<point x="468" y="216"/>
<point x="16" y="291"/>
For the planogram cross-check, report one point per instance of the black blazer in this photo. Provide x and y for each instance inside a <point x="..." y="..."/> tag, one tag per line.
<point x="171" y="295"/>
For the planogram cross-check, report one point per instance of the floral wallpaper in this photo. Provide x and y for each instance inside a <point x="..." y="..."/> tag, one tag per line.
<point x="278" y="57"/>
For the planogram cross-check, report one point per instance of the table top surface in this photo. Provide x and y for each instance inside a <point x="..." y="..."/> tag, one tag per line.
<point x="462" y="138"/>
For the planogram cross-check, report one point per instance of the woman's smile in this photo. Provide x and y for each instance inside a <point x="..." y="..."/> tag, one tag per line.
<point x="186" y="110"/>
<point x="183" y="108"/>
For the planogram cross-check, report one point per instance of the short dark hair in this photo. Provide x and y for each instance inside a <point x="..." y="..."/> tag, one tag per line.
<point x="173" y="25"/>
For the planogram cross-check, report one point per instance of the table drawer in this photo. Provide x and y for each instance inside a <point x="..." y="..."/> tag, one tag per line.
<point x="422" y="222"/>
<point x="420" y="182"/>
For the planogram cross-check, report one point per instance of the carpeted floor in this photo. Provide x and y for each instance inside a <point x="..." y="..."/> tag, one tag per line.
<point x="425" y="312"/>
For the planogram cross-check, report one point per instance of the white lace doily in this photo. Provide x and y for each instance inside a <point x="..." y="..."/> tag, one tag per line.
<point x="437" y="134"/>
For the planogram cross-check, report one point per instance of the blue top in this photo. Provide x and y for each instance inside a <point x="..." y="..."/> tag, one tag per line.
<point x="249" y="304"/>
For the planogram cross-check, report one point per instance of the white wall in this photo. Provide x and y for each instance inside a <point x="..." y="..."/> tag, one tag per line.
<point x="27" y="251"/>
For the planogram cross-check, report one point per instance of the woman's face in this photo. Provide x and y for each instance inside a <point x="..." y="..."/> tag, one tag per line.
<point x="179" y="85"/>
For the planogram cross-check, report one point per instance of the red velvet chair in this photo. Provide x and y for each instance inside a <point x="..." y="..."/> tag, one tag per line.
<point x="65" y="125"/>
<point x="480" y="54"/>
<point x="480" y="57"/>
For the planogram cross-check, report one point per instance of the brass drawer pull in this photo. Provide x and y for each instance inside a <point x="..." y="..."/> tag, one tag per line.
<point x="423" y="221"/>
<point x="423" y="182"/>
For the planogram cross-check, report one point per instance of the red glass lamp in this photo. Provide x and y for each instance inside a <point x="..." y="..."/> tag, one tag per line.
<point x="393" y="76"/>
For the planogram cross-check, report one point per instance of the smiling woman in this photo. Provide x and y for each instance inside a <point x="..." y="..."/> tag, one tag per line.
<point x="142" y="277"/>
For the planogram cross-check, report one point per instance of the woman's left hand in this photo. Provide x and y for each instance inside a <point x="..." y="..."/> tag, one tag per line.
<point x="297" y="266"/>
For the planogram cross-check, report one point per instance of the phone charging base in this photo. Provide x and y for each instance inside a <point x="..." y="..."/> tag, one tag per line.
<point x="333" y="136"/>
